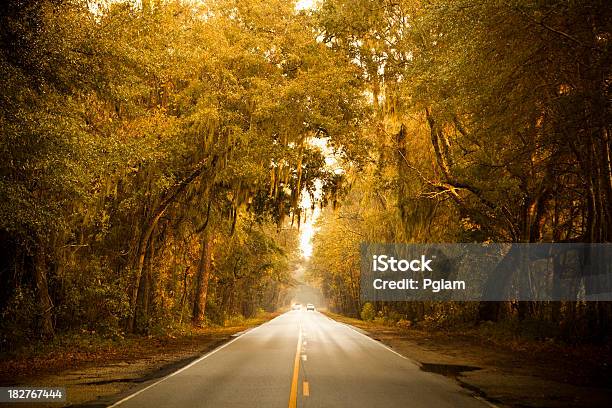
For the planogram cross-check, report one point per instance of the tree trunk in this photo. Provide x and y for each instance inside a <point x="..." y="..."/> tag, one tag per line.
<point x="202" y="279"/>
<point x="207" y="165"/>
<point x="184" y="295"/>
<point x="42" y="293"/>
<point x="144" y="291"/>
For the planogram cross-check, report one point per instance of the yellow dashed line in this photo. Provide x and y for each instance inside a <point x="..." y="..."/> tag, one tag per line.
<point x="296" y="373"/>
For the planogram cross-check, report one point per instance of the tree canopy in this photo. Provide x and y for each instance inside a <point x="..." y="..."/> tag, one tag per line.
<point x="156" y="154"/>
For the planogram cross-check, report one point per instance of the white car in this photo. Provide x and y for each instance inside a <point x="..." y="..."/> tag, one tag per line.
<point x="296" y="306"/>
<point x="310" y="306"/>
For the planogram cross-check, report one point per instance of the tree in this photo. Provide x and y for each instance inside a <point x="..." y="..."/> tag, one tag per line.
<point x="128" y="146"/>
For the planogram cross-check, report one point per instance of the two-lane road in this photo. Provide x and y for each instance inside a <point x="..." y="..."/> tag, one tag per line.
<point x="302" y="359"/>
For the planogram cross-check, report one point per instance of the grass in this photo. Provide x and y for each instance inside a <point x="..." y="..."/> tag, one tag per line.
<point x="87" y="348"/>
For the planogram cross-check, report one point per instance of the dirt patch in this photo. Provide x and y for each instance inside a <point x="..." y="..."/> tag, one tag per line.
<point x="514" y="373"/>
<point x="100" y="376"/>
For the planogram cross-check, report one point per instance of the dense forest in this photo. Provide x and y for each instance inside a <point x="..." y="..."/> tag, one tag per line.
<point x="154" y="157"/>
<point x="491" y="122"/>
<point x="156" y="154"/>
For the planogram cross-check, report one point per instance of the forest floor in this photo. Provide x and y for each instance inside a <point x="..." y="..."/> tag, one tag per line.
<point x="95" y="370"/>
<point x="512" y="372"/>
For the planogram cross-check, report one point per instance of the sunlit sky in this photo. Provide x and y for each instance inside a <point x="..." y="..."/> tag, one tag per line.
<point x="307" y="232"/>
<point x="308" y="228"/>
<point x="303" y="4"/>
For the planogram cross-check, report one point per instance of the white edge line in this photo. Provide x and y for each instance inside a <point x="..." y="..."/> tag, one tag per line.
<point x="483" y="400"/>
<point x="348" y="326"/>
<point x="210" y="353"/>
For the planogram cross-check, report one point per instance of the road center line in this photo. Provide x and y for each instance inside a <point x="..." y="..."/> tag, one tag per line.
<point x="305" y="389"/>
<point x="296" y="373"/>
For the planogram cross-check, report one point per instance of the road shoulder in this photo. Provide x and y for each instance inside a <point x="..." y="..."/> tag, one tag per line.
<point x="98" y="376"/>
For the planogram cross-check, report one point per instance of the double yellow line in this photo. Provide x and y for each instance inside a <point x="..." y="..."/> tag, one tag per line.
<point x="296" y="373"/>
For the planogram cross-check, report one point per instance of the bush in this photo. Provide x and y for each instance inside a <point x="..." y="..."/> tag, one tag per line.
<point x="235" y="320"/>
<point x="393" y="317"/>
<point x="403" y="323"/>
<point x="368" y="312"/>
<point x="380" y="320"/>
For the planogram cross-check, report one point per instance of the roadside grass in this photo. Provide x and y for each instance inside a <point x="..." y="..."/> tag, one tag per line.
<point x="89" y="348"/>
<point x="507" y="334"/>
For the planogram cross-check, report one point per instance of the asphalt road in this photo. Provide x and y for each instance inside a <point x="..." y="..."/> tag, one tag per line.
<point x="302" y="359"/>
